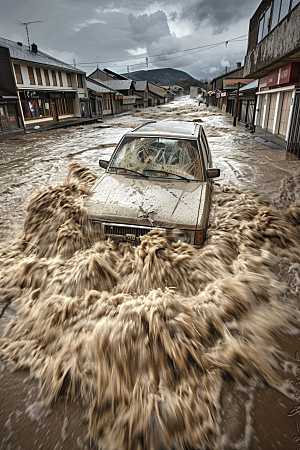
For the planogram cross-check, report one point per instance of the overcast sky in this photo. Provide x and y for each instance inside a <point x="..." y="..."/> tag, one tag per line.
<point x="120" y="33"/>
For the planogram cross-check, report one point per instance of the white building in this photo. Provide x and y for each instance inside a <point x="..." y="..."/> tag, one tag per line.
<point x="47" y="90"/>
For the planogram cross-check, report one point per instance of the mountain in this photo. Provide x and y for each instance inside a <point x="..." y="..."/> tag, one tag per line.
<point x="162" y="77"/>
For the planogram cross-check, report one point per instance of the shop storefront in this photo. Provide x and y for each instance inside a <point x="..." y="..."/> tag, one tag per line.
<point x="96" y="103"/>
<point x="276" y="99"/>
<point x="43" y="105"/>
<point x="9" y="115"/>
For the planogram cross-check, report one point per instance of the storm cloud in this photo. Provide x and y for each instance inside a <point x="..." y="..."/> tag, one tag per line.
<point x="115" y="32"/>
<point x="218" y="15"/>
<point x="149" y="28"/>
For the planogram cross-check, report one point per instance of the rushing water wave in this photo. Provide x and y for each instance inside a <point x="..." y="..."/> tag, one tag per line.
<point x="145" y="336"/>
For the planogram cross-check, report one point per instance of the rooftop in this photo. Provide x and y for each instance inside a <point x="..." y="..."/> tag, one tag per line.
<point x="21" y="52"/>
<point x="117" y="85"/>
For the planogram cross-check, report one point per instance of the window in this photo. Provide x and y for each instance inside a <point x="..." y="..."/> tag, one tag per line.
<point x="31" y="75"/>
<point x="284" y="9"/>
<point x="64" y="106"/>
<point x="294" y="3"/>
<point x="60" y="79"/>
<point x="106" y="104"/>
<point x="18" y="73"/>
<point x="34" y="109"/>
<point x="79" y="80"/>
<point x="39" y="76"/>
<point x="54" y="80"/>
<point x="69" y="80"/>
<point x="46" y="73"/>
<point x="160" y="157"/>
<point x="280" y="9"/>
<point x="264" y="25"/>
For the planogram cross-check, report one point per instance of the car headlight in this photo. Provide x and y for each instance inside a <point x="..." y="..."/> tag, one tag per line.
<point x="184" y="236"/>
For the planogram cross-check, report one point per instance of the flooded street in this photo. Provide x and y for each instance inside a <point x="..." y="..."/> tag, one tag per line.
<point x="156" y="347"/>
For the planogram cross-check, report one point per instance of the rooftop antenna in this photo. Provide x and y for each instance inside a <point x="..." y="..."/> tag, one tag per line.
<point x="25" y="24"/>
<point x="97" y="59"/>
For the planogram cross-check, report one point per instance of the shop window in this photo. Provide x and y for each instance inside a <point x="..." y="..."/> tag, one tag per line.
<point x="47" y="108"/>
<point x="60" y="79"/>
<point x="54" y="80"/>
<point x="40" y="108"/>
<point x="47" y="79"/>
<point x="69" y="80"/>
<point x="64" y="106"/>
<point x="18" y="73"/>
<point x="69" y="104"/>
<point x="39" y="76"/>
<point x="31" y="75"/>
<point x="34" y="109"/>
<point x="79" y="80"/>
<point x="285" y="111"/>
<point x="32" y="104"/>
<point x="271" y="112"/>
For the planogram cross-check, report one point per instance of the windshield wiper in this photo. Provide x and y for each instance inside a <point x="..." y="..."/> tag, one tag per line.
<point x="129" y="170"/>
<point x="169" y="173"/>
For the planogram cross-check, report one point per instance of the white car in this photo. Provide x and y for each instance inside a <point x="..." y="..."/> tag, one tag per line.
<point x="158" y="177"/>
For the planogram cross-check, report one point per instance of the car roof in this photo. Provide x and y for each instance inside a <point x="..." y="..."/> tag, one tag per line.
<point x="170" y="128"/>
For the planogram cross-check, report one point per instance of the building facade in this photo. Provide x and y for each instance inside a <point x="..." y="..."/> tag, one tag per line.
<point x="47" y="89"/>
<point x="273" y="57"/>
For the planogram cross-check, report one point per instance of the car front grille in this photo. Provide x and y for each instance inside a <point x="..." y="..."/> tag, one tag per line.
<point x="122" y="232"/>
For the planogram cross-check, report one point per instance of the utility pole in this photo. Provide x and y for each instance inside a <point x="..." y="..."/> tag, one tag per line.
<point x="235" y="108"/>
<point x="25" y="24"/>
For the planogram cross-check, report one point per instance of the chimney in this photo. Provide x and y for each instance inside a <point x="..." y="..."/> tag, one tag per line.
<point x="225" y="69"/>
<point x="20" y="44"/>
<point x="238" y="65"/>
<point x="34" y="48"/>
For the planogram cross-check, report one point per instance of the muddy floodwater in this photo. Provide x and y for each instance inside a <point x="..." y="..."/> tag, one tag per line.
<point x="159" y="346"/>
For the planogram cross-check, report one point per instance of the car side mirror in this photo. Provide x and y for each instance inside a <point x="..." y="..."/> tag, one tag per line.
<point x="103" y="163"/>
<point x="213" y="173"/>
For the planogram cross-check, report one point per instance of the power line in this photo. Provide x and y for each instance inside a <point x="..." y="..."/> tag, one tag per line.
<point x="205" y="47"/>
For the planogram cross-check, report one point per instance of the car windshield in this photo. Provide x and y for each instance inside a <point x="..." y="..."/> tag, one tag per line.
<point x="158" y="157"/>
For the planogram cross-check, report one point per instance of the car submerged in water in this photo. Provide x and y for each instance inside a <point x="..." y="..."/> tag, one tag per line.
<point x="158" y="178"/>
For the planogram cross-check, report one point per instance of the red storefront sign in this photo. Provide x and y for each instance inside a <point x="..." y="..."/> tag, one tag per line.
<point x="289" y="73"/>
<point x="286" y="74"/>
<point x="273" y="78"/>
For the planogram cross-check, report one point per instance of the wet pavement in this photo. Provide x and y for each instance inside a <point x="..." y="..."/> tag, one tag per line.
<point x="251" y="236"/>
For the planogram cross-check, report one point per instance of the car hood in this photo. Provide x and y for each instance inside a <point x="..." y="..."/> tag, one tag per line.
<point x="125" y="199"/>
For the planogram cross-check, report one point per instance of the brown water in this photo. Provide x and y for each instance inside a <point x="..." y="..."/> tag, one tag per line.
<point x="161" y="346"/>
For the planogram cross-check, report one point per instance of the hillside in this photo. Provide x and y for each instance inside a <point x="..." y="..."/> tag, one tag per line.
<point x="162" y="77"/>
